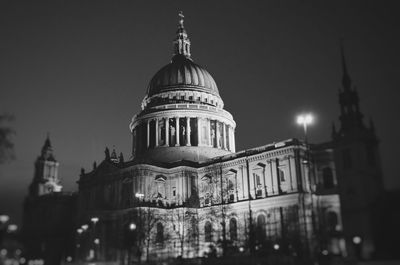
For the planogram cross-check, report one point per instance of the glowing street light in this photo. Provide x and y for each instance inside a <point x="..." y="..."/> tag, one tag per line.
<point x="305" y="120"/>
<point x="79" y="230"/>
<point x="96" y="241"/>
<point x="84" y="227"/>
<point x="139" y="195"/>
<point x="357" y="240"/>
<point x="276" y="246"/>
<point x="94" y="220"/>
<point x="12" y="228"/>
<point x="132" y="226"/>
<point x="4" y="218"/>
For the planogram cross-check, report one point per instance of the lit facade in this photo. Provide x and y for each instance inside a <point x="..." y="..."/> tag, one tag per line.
<point x="186" y="190"/>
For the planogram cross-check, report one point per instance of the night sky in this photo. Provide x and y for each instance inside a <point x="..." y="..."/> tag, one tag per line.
<point x="79" y="70"/>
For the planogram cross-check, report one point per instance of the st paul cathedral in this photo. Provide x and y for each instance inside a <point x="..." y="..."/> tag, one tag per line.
<point x="186" y="192"/>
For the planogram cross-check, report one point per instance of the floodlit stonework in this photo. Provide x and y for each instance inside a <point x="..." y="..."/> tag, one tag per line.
<point x="188" y="193"/>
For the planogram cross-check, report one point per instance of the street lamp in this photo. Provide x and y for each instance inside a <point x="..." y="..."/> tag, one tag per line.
<point x="132" y="226"/>
<point x="96" y="241"/>
<point x="94" y="220"/>
<point x="305" y="120"/>
<point x="139" y="195"/>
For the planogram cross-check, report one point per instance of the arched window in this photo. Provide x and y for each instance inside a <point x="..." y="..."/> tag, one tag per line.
<point x="328" y="178"/>
<point x="233" y="229"/>
<point x="160" y="233"/>
<point x="208" y="232"/>
<point x="260" y="229"/>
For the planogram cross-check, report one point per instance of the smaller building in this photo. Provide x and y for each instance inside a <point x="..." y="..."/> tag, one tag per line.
<point x="48" y="212"/>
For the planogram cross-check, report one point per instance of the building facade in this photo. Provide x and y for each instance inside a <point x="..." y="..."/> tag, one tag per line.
<point x="48" y="216"/>
<point x="187" y="192"/>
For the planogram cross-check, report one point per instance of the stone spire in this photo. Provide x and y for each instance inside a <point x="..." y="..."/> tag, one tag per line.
<point x="47" y="150"/>
<point x="346" y="81"/>
<point x="181" y="43"/>
<point x="351" y="118"/>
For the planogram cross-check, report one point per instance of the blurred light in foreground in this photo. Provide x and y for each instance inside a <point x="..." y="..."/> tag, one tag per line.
<point x="4" y="218"/>
<point x="139" y="195"/>
<point x="69" y="259"/>
<point x="96" y="241"/>
<point x="357" y="240"/>
<point x="276" y="246"/>
<point x="12" y="227"/>
<point x="94" y="219"/>
<point x="3" y="252"/>
<point x="84" y="227"/>
<point x="22" y="260"/>
<point x="325" y="252"/>
<point x="132" y="226"/>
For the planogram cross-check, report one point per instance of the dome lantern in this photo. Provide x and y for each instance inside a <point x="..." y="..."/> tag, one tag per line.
<point x="181" y="42"/>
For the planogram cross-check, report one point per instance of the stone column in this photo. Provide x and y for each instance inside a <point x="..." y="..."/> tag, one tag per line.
<point x="188" y="131"/>
<point x="156" y="134"/>
<point x="217" y="133"/>
<point x="224" y="136"/>
<point x="148" y="133"/>
<point x="166" y="131"/>
<point x="198" y="132"/>
<point x="177" y="131"/>
<point x="233" y="140"/>
<point x="208" y="121"/>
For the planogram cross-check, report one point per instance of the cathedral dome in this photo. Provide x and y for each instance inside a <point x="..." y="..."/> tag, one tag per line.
<point x="182" y="73"/>
<point x="183" y="115"/>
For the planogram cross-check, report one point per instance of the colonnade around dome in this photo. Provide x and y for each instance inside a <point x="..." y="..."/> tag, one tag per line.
<point x="182" y="131"/>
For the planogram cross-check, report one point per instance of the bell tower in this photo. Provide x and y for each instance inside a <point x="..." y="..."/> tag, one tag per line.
<point x="359" y="173"/>
<point x="45" y="179"/>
